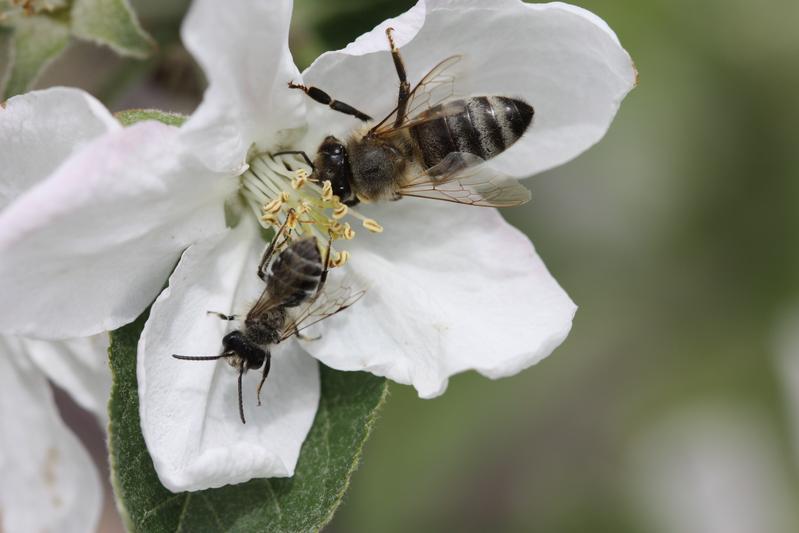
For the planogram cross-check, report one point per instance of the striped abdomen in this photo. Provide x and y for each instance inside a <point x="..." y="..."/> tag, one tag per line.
<point x="295" y="274"/>
<point x="482" y="125"/>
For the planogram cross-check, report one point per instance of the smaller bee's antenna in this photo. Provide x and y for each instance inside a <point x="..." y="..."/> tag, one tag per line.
<point x="241" y="402"/>
<point x="198" y="357"/>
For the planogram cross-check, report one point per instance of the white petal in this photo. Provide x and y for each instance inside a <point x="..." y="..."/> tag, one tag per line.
<point x="47" y="480"/>
<point x="189" y="409"/>
<point x="79" y="366"/>
<point x="563" y="60"/>
<point x="41" y="129"/>
<point x="242" y="46"/>
<point x="449" y="288"/>
<point x="87" y="249"/>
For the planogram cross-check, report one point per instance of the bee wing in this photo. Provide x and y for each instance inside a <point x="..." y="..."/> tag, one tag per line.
<point x="435" y="87"/>
<point x="264" y="304"/>
<point x="464" y="178"/>
<point x="324" y="306"/>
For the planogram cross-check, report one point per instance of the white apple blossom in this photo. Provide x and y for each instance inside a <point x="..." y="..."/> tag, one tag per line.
<point x="449" y="288"/>
<point x="48" y="482"/>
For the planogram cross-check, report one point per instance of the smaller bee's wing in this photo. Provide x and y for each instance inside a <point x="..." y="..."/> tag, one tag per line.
<point x="324" y="306"/>
<point x="435" y="87"/>
<point x="265" y="303"/>
<point x="465" y="178"/>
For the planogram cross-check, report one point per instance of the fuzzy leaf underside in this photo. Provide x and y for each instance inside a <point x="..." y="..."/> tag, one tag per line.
<point x="306" y="502"/>
<point x="112" y="23"/>
<point x="29" y="46"/>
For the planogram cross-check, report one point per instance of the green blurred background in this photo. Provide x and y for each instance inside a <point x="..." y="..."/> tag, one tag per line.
<point x="676" y="236"/>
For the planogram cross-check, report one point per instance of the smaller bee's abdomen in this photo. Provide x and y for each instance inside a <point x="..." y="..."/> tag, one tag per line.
<point x="482" y="125"/>
<point x="296" y="273"/>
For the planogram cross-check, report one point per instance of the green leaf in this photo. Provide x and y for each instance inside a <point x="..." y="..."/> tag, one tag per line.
<point x="131" y="116"/>
<point x="34" y="42"/>
<point x="305" y="502"/>
<point x="112" y="23"/>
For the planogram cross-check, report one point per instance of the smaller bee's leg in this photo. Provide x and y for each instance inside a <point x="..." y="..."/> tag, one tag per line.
<point x="267" y="366"/>
<point x="323" y="98"/>
<point x="274" y="246"/>
<point x="223" y="316"/>
<point x="297" y="152"/>
<point x="404" y="87"/>
<point x="241" y="401"/>
<point x="325" y="269"/>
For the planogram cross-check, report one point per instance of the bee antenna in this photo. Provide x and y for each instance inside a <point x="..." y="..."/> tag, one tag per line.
<point x="241" y="402"/>
<point x="198" y="357"/>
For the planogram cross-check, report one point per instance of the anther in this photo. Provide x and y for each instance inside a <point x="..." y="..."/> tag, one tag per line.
<point x="327" y="191"/>
<point x="273" y="206"/>
<point x="269" y="218"/>
<point x="340" y="211"/>
<point x="340" y="258"/>
<point x="372" y="225"/>
<point x="291" y="219"/>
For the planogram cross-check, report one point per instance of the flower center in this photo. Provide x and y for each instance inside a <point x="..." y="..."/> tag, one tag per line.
<point x="280" y="189"/>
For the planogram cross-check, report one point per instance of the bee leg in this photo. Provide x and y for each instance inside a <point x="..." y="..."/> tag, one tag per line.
<point x="405" y="87"/>
<point x="325" y="269"/>
<point x="223" y="316"/>
<point x="323" y="98"/>
<point x="241" y="401"/>
<point x="267" y="365"/>
<point x="298" y="152"/>
<point x="274" y="246"/>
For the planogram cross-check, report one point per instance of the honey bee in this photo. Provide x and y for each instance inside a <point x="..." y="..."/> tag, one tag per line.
<point x="296" y="277"/>
<point x="426" y="147"/>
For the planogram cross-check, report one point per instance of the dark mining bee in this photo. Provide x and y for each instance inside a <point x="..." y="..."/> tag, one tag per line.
<point x="295" y="277"/>
<point x="429" y="146"/>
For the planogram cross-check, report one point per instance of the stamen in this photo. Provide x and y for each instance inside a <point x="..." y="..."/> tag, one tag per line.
<point x="340" y="211"/>
<point x="327" y="191"/>
<point x="280" y="190"/>
<point x="340" y="258"/>
<point x="372" y="225"/>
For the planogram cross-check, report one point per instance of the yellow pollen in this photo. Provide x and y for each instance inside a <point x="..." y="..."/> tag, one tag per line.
<point x="291" y="219"/>
<point x="300" y="178"/>
<point x="270" y="218"/>
<point x="348" y="232"/>
<point x="327" y="191"/>
<point x="284" y="196"/>
<point x="273" y="206"/>
<point x="340" y="211"/>
<point x="372" y="225"/>
<point x="340" y="258"/>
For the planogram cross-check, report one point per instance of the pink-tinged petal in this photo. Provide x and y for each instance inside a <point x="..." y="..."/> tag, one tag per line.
<point x="561" y="59"/>
<point x="189" y="409"/>
<point x="47" y="480"/>
<point x="79" y="366"/>
<point x="41" y="129"/>
<point x="88" y="248"/>
<point x="449" y="288"/>
<point x="242" y="45"/>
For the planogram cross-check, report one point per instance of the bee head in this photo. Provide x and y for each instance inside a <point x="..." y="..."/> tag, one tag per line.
<point x="240" y="350"/>
<point x="333" y="165"/>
